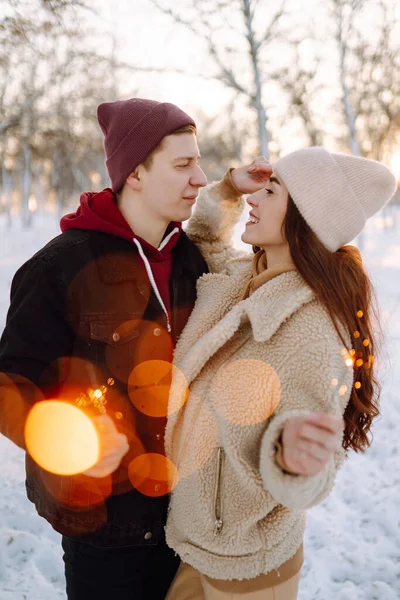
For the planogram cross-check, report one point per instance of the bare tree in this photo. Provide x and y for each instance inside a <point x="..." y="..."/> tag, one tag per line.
<point x="237" y="19"/>
<point x="48" y="114"/>
<point x="221" y="142"/>
<point x="376" y="83"/>
<point x="300" y="85"/>
<point x="344" y="13"/>
<point x="369" y="74"/>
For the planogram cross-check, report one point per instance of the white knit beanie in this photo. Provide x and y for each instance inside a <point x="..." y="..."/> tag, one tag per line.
<point x="335" y="193"/>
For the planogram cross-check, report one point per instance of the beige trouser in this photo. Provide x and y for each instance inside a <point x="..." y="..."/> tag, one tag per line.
<point x="189" y="584"/>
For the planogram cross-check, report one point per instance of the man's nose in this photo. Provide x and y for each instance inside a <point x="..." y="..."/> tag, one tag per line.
<point x="199" y="179"/>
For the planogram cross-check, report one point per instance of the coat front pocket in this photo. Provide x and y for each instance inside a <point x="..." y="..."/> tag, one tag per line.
<point x="115" y="345"/>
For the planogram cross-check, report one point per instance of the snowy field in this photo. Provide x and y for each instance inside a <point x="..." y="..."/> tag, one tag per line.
<point x="352" y="541"/>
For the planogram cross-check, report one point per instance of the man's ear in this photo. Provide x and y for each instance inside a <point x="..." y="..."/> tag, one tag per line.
<point x="134" y="181"/>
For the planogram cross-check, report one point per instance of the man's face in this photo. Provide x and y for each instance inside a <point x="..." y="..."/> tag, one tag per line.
<point x="169" y="188"/>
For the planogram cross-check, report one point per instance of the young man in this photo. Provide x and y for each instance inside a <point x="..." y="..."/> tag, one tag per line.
<point x="93" y="320"/>
<point x="108" y="296"/>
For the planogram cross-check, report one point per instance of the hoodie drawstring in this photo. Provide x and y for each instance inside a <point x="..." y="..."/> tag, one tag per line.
<point x="167" y="238"/>
<point x="150" y="272"/>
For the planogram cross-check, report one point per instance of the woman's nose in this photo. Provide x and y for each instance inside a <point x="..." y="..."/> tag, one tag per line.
<point x="252" y="200"/>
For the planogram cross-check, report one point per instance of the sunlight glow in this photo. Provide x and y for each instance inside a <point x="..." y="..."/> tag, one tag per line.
<point x="249" y="399"/>
<point x="153" y="474"/>
<point x="149" y="388"/>
<point x="61" y="438"/>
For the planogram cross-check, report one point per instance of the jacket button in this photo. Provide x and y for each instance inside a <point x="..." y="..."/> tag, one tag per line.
<point x="158" y="436"/>
<point x="116" y="337"/>
<point x="157" y="331"/>
<point x="148" y="535"/>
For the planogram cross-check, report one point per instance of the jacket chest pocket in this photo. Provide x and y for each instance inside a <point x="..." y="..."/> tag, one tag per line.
<point x="115" y="342"/>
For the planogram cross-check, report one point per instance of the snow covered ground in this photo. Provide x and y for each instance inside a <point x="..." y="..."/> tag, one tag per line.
<point x="352" y="540"/>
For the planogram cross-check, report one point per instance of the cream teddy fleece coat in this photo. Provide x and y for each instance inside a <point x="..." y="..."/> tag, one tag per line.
<point x="250" y="367"/>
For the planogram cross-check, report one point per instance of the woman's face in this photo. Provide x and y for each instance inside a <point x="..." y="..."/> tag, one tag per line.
<point x="268" y="209"/>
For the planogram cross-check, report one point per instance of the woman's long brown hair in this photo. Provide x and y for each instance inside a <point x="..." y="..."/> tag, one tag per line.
<point x="341" y="284"/>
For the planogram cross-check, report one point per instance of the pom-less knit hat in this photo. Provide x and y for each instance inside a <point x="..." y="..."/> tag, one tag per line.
<point x="132" y="130"/>
<point x="335" y="193"/>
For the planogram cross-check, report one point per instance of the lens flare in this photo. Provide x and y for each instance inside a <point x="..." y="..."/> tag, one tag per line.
<point x="61" y="438"/>
<point x="150" y="384"/>
<point x="80" y="492"/>
<point x="250" y="398"/>
<point x="153" y="474"/>
<point x="190" y="448"/>
<point x="18" y="394"/>
<point x="119" y="347"/>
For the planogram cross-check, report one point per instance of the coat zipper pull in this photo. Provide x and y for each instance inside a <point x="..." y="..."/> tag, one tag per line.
<point x="218" y="496"/>
<point x="218" y="526"/>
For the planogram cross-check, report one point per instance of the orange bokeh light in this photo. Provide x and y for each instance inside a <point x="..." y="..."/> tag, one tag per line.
<point x="153" y="474"/>
<point x="149" y="388"/>
<point x="61" y="438"/>
<point x="249" y="399"/>
<point x="79" y="492"/>
<point x="190" y="449"/>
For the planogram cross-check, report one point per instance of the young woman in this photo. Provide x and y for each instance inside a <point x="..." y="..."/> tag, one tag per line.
<point x="278" y="349"/>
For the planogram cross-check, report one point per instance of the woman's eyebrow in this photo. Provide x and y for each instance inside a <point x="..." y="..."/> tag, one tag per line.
<point x="274" y="180"/>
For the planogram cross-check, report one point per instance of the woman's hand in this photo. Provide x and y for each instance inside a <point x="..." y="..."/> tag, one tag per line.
<point x="310" y="442"/>
<point x="113" y="447"/>
<point x="253" y="177"/>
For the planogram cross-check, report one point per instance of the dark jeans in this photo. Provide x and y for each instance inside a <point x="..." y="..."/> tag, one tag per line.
<point x="131" y="573"/>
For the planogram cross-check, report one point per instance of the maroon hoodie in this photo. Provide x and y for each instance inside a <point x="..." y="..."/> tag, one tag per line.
<point x="98" y="211"/>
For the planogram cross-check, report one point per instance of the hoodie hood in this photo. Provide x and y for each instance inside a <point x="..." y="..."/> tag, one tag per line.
<point x="98" y="211"/>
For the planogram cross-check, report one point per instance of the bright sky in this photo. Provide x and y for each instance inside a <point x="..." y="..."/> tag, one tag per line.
<point x="148" y="38"/>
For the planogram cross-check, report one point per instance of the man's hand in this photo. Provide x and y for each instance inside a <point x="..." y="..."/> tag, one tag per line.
<point x="309" y="442"/>
<point x="253" y="177"/>
<point x="113" y="447"/>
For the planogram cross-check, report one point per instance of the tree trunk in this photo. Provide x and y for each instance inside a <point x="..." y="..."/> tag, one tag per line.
<point x="7" y="185"/>
<point x="26" y="186"/>
<point x="257" y="98"/>
<point x="39" y="189"/>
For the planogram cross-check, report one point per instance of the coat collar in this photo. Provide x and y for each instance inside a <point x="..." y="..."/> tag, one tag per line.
<point x="274" y="302"/>
<point x="266" y="310"/>
<point x="124" y="265"/>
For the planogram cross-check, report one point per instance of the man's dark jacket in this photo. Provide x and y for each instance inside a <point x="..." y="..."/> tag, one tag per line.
<point x="83" y="315"/>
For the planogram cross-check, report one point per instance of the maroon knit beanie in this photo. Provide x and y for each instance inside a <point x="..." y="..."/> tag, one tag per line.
<point x="133" y="129"/>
